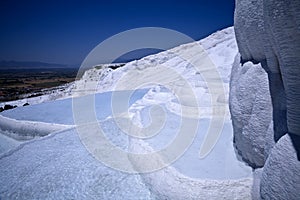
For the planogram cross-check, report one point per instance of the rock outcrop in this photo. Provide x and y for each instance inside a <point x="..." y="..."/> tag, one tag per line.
<point x="251" y="112"/>
<point x="280" y="176"/>
<point x="268" y="34"/>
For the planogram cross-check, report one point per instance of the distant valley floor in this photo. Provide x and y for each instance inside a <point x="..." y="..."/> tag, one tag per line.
<point x="25" y="83"/>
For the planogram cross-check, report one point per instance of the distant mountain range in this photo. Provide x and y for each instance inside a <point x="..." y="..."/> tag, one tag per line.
<point x="32" y="65"/>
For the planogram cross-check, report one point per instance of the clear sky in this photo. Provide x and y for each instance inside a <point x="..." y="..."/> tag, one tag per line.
<point x="66" y="31"/>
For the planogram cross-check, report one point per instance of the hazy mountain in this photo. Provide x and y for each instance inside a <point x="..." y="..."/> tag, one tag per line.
<point x="31" y="65"/>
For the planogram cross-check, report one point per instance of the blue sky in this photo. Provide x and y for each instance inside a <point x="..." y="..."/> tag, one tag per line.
<point x="66" y="31"/>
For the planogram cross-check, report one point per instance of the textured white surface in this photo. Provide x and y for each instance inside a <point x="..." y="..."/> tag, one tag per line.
<point x="267" y="31"/>
<point x="281" y="174"/>
<point x="251" y="112"/>
<point x="59" y="167"/>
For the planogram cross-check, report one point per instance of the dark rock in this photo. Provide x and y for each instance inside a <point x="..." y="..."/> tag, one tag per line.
<point x="8" y="107"/>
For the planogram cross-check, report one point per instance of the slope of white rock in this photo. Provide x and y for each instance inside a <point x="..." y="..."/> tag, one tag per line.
<point x="59" y="165"/>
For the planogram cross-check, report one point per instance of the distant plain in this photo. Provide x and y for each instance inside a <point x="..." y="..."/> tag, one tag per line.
<point x="15" y="83"/>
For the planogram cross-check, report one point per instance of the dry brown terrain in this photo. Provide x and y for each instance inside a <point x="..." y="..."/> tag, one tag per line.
<point x="15" y="83"/>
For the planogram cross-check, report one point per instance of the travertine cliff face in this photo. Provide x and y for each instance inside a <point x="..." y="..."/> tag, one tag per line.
<point x="268" y="34"/>
<point x="251" y="112"/>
